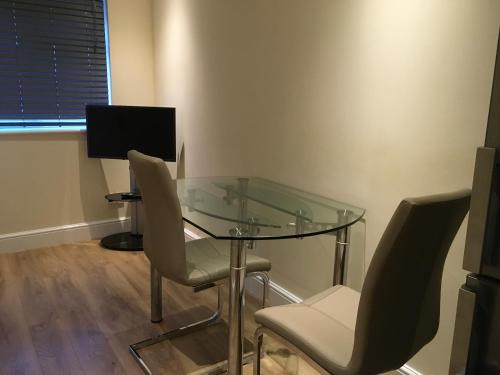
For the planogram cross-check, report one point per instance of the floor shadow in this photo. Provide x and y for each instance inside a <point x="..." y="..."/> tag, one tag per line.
<point x="190" y="352"/>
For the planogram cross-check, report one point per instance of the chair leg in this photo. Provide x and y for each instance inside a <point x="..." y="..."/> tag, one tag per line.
<point x="156" y="296"/>
<point x="264" y="277"/>
<point x="258" y="338"/>
<point x="157" y="316"/>
<point x="134" y="348"/>
<point x="220" y="300"/>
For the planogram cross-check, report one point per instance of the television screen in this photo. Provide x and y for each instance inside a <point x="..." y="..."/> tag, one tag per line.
<point x="113" y="130"/>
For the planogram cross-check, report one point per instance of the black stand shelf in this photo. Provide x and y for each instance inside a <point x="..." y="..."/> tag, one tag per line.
<point x="125" y="241"/>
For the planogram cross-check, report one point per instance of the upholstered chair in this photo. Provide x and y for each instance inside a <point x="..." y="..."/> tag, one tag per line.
<point x="198" y="264"/>
<point x="343" y="332"/>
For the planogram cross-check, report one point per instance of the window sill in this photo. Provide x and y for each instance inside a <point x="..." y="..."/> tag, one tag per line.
<point x="43" y="129"/>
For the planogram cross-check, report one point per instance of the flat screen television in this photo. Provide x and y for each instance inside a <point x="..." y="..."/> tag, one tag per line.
<point x="113" y="130"/>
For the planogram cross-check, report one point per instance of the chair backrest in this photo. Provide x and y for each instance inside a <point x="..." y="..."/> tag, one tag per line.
<point x="400" y="300"/>
<point x="163" y="227"/>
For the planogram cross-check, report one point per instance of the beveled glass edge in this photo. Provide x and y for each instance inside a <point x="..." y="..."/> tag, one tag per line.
<point x="280" y="237"/>
<point x="231" y="220"/>
<point x="200" y="228"/>
<point x="362" y="212"/>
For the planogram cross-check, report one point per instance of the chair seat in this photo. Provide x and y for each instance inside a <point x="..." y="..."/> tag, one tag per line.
<point x="321" y="326"/>
<point x="209" y="262"/>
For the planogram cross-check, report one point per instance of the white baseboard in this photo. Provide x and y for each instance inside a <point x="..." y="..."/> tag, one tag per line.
<point x="407" y="370"/>
<point x="51" y="236"/>
<point x="191" y="234"/>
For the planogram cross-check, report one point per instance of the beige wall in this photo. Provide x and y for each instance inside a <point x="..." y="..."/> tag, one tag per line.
<point x="365" y="101"/>
<point x="47" y="179"/>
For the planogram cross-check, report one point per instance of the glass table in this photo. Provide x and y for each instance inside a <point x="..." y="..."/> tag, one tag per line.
<point x="248" y="209"/>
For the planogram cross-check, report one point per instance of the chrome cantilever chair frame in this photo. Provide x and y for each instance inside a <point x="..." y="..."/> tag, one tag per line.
<point x="156" y="316"/>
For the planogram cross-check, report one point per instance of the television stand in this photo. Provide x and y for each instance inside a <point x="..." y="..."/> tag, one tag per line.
<point x="126" y="241"/>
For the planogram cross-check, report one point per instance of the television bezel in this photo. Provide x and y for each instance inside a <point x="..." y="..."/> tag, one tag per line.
<point x="97" y="156"/>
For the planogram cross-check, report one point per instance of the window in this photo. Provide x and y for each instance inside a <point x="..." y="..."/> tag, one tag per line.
<point x="53" y="61"/>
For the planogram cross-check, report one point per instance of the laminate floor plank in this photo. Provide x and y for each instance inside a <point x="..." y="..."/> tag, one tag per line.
<point x="48" y="334"/>
<point x="113" y="302"/>
<point x="17" y="353"/>
<point x="90" y="344"/>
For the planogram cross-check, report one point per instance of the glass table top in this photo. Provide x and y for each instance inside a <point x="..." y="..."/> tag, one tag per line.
<point x="253" y="208"/>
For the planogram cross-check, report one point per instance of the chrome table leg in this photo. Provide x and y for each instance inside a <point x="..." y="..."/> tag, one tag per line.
<point x="236" y="306"/>
<point x="341" y="250"/>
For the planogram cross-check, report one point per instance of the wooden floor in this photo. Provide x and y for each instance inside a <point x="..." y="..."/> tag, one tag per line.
<point x="74" y="309"/>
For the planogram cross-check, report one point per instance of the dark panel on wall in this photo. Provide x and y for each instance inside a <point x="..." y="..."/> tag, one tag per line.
<point x="493" y="129"/>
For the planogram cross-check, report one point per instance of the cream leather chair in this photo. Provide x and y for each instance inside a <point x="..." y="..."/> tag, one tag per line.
<point x="198" y="264"/>
<point x="343" y="332"/>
